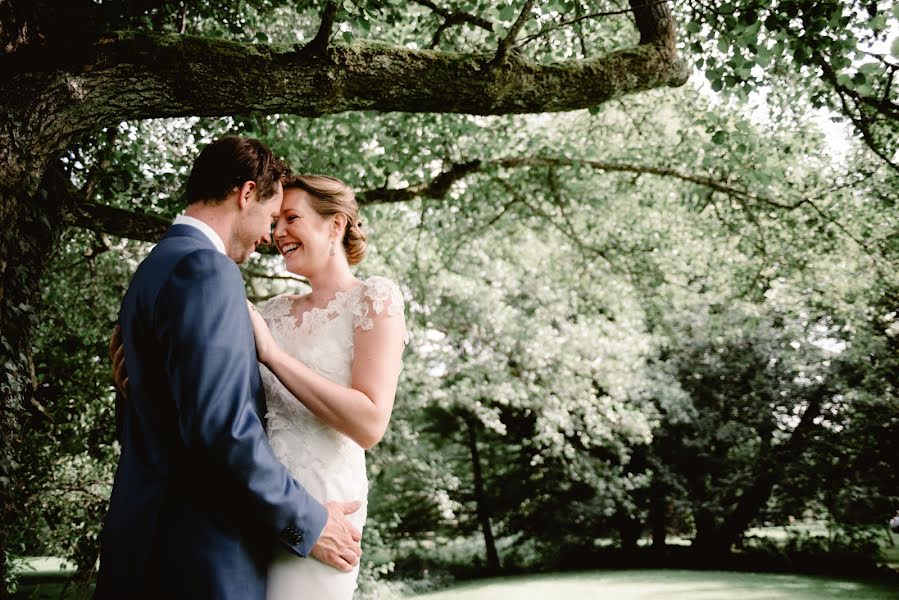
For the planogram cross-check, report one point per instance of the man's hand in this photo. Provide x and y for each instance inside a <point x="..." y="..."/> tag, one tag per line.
<point x="338" y="545"/>
<point x="117" y="357"/>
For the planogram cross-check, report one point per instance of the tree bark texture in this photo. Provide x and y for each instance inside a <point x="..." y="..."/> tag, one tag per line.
<point x="28" y="236"/>
<point x="127" y="76"/>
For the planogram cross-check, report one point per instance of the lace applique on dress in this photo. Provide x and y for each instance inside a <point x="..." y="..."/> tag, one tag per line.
<point x="378" y="294"/>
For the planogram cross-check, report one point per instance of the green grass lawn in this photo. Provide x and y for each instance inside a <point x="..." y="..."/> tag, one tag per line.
<point x="643" y="584"/>
<point x="674" y="584"/>
<point x="42" y="578"/>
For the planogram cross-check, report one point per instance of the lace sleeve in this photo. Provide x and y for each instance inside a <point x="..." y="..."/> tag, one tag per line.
<point x="379" y="296"/>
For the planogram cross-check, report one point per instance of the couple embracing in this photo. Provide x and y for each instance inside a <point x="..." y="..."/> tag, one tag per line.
<point x="238" y="479"/>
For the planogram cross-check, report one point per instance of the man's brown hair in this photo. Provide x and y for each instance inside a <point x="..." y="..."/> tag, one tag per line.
<point x="230" y="162"/>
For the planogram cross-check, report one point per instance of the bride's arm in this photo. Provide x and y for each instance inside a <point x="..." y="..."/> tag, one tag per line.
<point x="361" y="411"/>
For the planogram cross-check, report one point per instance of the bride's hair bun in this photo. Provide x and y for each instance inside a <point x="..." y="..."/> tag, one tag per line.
<point x="354" y="242"/>
<point x="330" y="196"/>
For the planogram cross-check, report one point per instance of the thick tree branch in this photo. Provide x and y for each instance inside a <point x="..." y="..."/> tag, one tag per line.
<point x="118" y="222"/>
<point x="56" y="92"/>
<point x="148" y="228"/>
<point x="260" y="274"/>
<point x="437" y="188"/>
<point x="131" y="76"/>
<point x="123" y="223"/>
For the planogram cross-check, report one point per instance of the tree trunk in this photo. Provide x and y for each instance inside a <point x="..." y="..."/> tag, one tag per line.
<point x="32" y="227"/>
<point x="629" y="529"/>
<point x="771" y="471"/>
<point x="658" y="515"/>
<point x="480" y="497"/>
<point x="720" y="538"/>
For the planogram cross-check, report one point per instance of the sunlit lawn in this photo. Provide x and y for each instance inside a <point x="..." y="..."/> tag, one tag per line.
<point x="646" y="584"/>
<point x="621" y="584"/>
<point x="627" y="585"/>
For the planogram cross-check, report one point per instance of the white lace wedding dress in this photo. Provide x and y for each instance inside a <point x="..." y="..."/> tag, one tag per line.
<point x="330" y="465"/>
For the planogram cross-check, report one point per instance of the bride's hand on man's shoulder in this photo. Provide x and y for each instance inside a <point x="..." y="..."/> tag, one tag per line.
<point x="265" y="343"/>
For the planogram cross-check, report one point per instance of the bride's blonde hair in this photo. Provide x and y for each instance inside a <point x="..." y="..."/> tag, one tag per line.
<point x="330" y="196"/>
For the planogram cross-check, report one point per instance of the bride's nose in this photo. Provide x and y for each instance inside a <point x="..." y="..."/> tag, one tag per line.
<point x="278" y="230"/>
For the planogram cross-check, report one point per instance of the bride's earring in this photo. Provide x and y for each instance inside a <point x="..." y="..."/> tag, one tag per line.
<point x="331" y="251"/>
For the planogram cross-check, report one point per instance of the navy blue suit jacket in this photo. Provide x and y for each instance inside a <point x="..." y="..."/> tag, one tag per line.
<point x="199" y="501"/>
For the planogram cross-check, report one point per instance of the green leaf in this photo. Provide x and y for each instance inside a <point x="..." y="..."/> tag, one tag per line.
<point x="870" y="69"/>
<point x="894" y="47"/>
<point x="692" y="27"/>
<point x="719" y="137"/>
<point x="348" y="37"/>
<point x="865" y="89"/>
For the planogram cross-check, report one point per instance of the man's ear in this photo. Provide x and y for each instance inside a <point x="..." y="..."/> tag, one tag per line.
<point x="246" y="194"/>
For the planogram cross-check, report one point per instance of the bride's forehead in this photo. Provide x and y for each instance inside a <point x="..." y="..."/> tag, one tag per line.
<point x="296" y="199"/>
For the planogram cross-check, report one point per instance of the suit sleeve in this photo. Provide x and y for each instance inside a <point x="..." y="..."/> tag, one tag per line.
<point x="203" y="326"/>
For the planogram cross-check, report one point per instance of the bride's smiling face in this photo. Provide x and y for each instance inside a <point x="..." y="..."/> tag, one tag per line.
<point x="302" y="235"/>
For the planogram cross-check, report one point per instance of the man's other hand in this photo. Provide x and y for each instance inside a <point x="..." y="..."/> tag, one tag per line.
<point x="117" y="357"/>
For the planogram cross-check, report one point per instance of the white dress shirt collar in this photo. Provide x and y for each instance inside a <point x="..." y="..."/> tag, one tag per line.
<point x="206" y="229"/>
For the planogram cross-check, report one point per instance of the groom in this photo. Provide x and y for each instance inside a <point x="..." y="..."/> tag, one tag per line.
<point x="199" y="500"/>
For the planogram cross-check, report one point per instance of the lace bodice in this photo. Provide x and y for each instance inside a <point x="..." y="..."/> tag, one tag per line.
<point x="330" y="465"/>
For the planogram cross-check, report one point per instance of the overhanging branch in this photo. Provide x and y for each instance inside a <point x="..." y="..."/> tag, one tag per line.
<point x="129" y="75"/>
<point x="119" y="222"/>
<point x="145" y="227"/>
<point x="75" y="85"/>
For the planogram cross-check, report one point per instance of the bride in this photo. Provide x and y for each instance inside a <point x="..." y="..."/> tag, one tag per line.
<point x="331" y="360"/>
